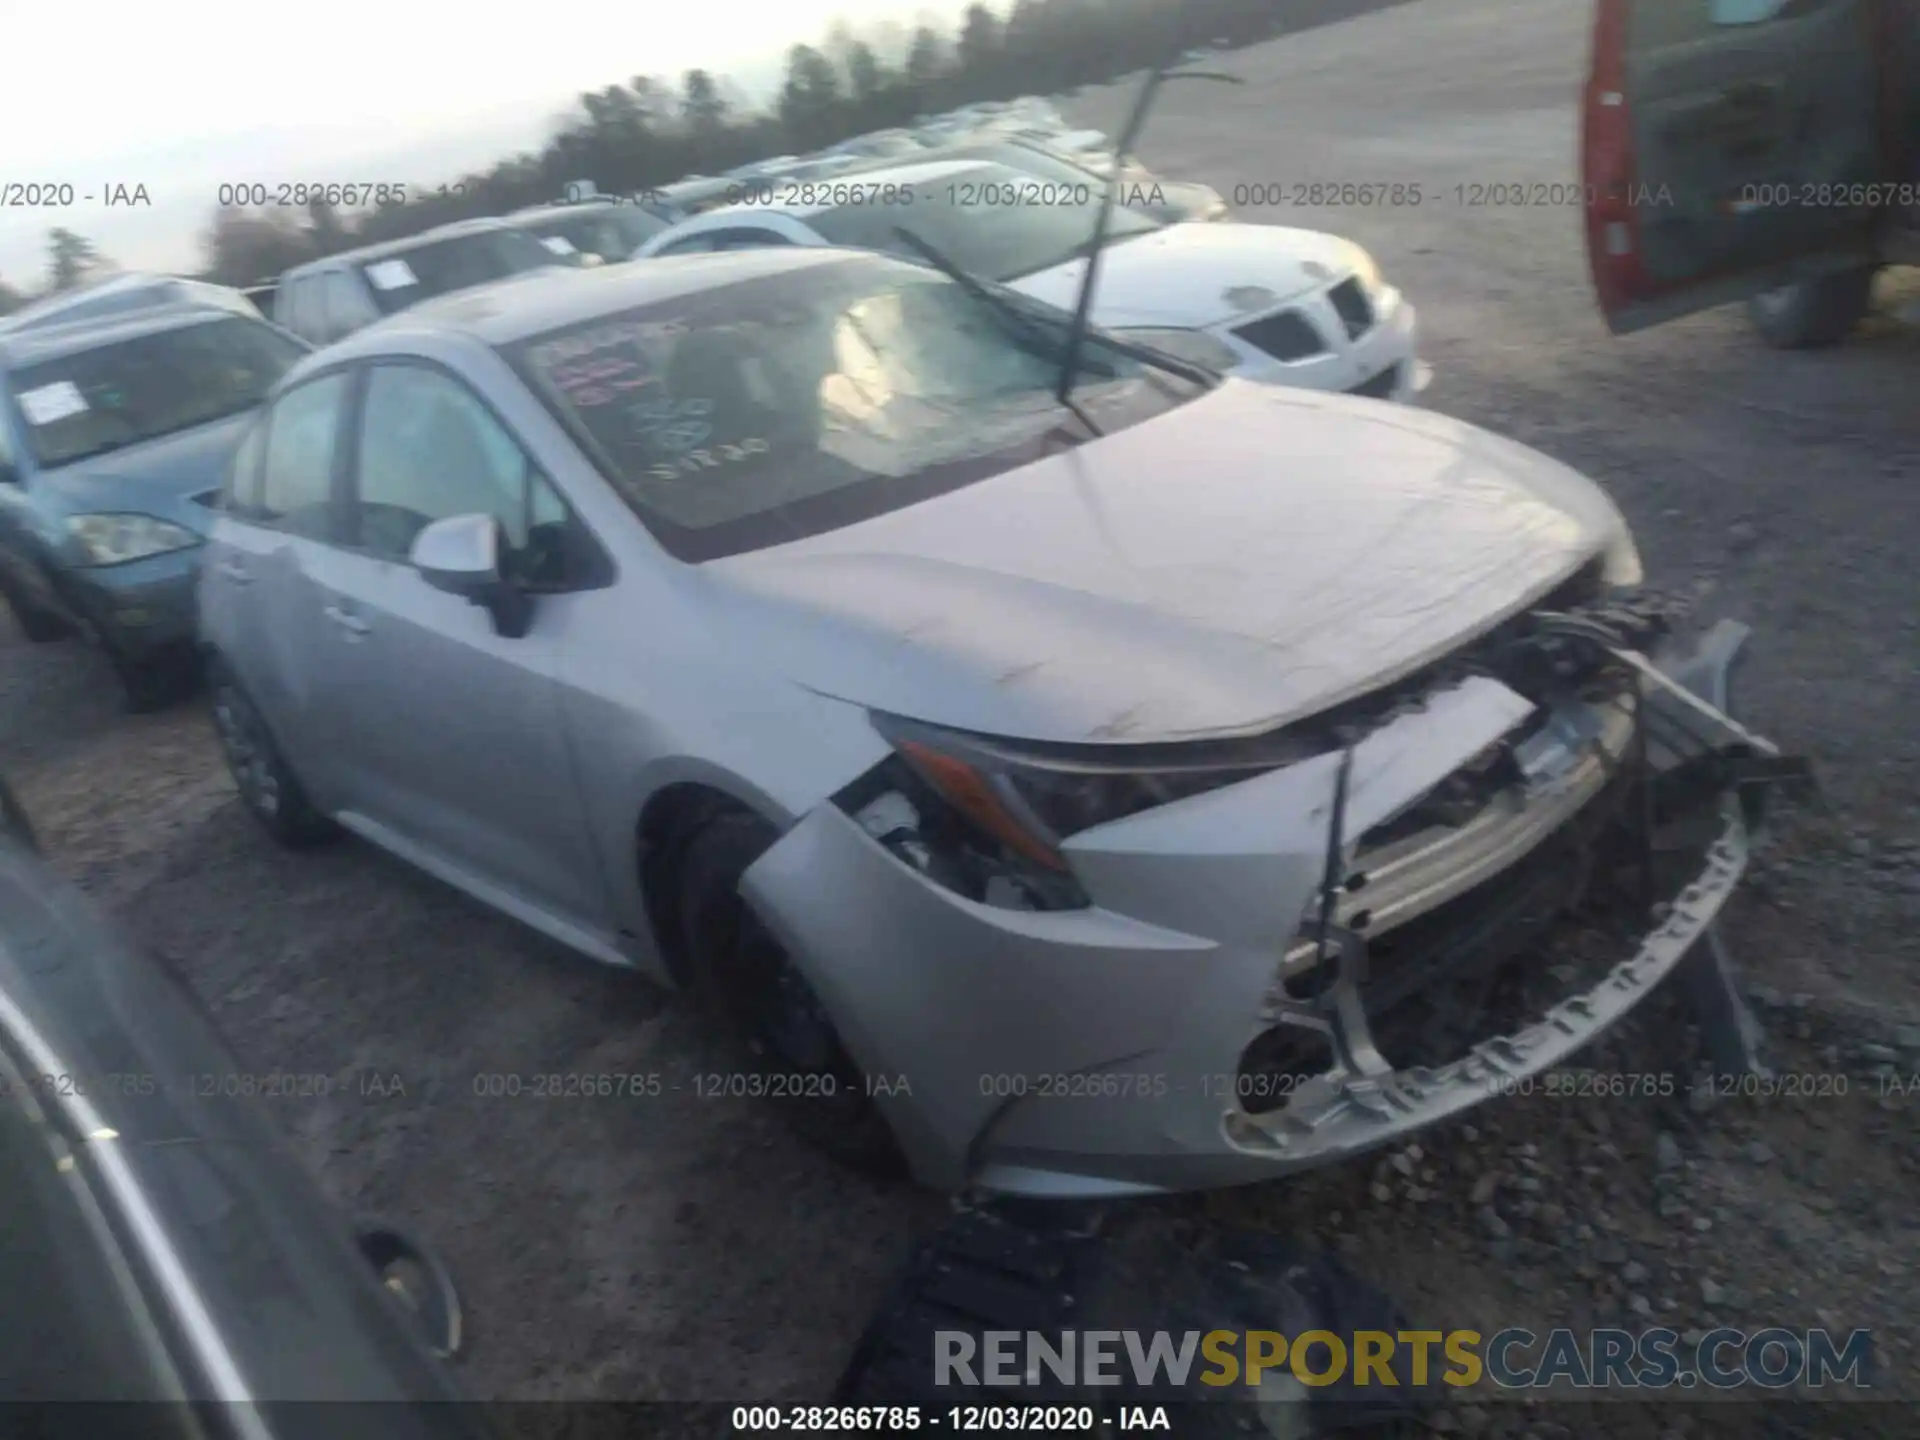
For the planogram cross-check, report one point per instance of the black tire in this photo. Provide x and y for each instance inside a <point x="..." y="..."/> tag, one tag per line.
<point x="268" y="787"/>
<point x="155" y="682"/>
<point x="39" y="626"/>
<point x="750" y="990"/>
<point x="1813" y="314"/>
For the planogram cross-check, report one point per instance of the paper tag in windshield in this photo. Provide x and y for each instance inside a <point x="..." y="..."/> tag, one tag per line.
<point x="391" y="275"/>
<point x="558" y="244"/>
<point x="48" y="403"/>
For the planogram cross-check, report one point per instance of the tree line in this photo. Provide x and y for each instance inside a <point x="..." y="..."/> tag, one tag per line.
<point x="651" y="131"/>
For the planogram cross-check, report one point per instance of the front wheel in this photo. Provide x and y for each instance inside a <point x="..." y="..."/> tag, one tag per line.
<point x="749" y="988"/>
<point x="268" y="787"/>
<point x="154" y="682"/>
<point x="39" y="626"/>
<point x="1813" y="314"/>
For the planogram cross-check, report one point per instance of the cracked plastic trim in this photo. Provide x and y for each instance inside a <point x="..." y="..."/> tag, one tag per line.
<point x="1344" y="1113"/>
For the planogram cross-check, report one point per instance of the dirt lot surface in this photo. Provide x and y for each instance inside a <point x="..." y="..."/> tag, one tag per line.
<point x="667" y="1248"/>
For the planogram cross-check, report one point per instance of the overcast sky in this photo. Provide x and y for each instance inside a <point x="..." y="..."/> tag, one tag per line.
<point x="182" y="97"/>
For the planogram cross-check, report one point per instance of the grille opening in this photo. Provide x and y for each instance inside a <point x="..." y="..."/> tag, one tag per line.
<point x="1486" y="963"/>
<point x="1455" y="976"/>
<point x="1354" y="308"/>
<point x="1287" y="335"/>
<point x="1276" y="1063"/>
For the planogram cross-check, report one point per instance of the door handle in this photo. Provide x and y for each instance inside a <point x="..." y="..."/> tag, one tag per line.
<point x="236" y="572"/>
<point x="346" y="620"/>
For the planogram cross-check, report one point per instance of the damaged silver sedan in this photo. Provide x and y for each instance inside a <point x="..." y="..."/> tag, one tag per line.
<point x="1059" y="780"/>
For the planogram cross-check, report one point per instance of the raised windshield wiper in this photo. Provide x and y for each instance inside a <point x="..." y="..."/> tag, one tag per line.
<point x="1083" y="305"/>
<point x="994" y="301"/>
<point x="1040" y="330"/>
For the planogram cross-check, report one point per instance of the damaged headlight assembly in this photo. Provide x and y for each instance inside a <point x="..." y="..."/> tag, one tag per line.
<point x="986" y="818"/>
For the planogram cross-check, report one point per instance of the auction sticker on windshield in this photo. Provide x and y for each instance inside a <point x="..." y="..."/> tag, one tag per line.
<point x="558" y="244"/>
<point x="391" y="275"/>
<point x="48" y="403"/>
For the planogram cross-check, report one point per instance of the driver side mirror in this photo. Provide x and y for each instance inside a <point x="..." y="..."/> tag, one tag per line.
<point x="465" y="555"/>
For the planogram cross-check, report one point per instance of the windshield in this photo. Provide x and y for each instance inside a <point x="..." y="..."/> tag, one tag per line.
<point x="990" y="220"/>
<point x="744" y="416"/>
<point x="129" y="391"/>
<point x="406" y="277"/>
<point x="613" y="232"/>
<point x="1047" y="164"/>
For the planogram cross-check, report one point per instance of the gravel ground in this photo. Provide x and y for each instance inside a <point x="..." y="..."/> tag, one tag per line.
<point x="669" y="1248"/>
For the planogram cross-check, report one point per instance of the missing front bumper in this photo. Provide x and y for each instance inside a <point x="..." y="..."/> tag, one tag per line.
<point x="1092" y="1052"/>
<point x="1348" y="1111"/>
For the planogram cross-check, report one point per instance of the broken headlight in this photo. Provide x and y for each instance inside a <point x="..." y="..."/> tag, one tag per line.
<point x="988" y="818"/>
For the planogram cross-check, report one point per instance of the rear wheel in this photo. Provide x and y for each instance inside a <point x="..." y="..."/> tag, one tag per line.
<point x="268" y="787"/>
<point x="748" y="986"/>
<point x="1813" y="314"/>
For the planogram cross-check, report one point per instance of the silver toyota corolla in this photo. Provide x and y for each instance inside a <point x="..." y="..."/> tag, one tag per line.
<point x="1177" y="784"/>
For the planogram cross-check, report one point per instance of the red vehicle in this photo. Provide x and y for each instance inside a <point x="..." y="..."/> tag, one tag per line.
<point x="1751" y="150"/>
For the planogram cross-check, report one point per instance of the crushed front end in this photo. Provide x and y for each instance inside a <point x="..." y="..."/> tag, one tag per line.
<point x="1424" y="898"/>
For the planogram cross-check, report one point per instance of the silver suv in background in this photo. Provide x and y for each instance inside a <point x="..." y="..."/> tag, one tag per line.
<point x="327" y="300"/>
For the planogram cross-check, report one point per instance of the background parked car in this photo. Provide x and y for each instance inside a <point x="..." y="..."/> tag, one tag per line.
<point x="160" y="1244"/>
<point x="880" y="145"/>
<point x="694" y="193"/>
<point x="1265" y="302"/>
<point x="124" y="294"/>
<point x="324" y="300"/>
<point x="609" y="230"/>
<point x="1752" y="150"/>
<point x="1171" y="202"/>
<point x="115" y="436"/>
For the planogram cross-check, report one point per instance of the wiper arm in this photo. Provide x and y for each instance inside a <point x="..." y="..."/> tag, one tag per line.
<point x="1083" y="305"/>
<point x="998" y="303"/>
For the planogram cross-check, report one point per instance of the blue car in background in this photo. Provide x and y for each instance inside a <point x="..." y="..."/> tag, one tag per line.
<point x="115" y="436"/>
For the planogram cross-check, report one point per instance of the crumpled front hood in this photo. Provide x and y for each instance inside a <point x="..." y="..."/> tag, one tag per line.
<point x="1196" y="275"/>
<point x="159" y="477"/>
<point x="1247" y="560"/>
